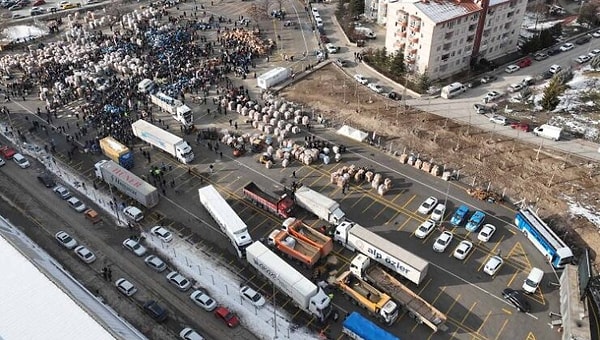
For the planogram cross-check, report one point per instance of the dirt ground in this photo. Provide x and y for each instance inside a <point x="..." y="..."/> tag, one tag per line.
<point x="543" y="179"/>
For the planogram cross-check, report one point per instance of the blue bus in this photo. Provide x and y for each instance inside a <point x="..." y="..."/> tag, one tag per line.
<point x="358" y="327"/>
<point x="543" y="238"/>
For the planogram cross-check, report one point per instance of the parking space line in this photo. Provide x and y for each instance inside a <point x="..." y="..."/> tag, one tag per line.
<point x="392" y="218"/>
<point x="316" y="181"/>
<point x="397" y="196"/>
<point x="468" y="312"/>
<point x="258" y="225"/>
<point x="358" y="200"/>
<point x="370" y="205"/>
<point x="501" y="329"/>
<point x="507" y="311"/>
<point x="408" y="202"/>
<point x="403" y="224"/>
<point x="512" y="278"/>
<point x="379" y="213"/>
<point x="453" y="303"/>
<point x="439" y="294"/>
<point x="484" y="320"/>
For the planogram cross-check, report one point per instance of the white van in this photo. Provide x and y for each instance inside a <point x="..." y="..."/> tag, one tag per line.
<point x="452" y="90"/>
<point x="133" y="213"/>
<point x="367" y="32"/>
<point x="533" y="280"/>
<point x="145" y="86"/>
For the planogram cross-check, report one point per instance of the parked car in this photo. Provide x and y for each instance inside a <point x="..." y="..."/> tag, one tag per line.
<point x="39" y="3"/>
<point x="252" y="296"/>
<point x="133" y="213"/>
<point x="190" y="334"/>
<point x="566" y="47"/>
<point x="62" y="192"/>
<point x="134" y="246"/>
<point x="459" y="216"/>
<point x="65" y="240"/>
<point x="85" y="254"/>
<point x="162" y="233"/>
<point x="361" y="79"/>
<point x="518" y="299"/>
<point x="520" y="126"/>
<point x="593" y="53"/>
<point x="331" y="48"/>
<point x="394" y="96"/>
<point x="76" y="204"/>
<point x="475" y="221"/>
<point x="425" y="229"/>
<point x="524" y="62"/>
<point x="341" y="62"/>
<point x="486" y="232"/>
<point x="474" y="83"/>
<point x="125" y="287"/>
<point x="582" y="59"/>
<point x="155" y="263"/>
<point x="540" y="56"/>
<point x="438" y="212"/>
<point x="483" y="109"/>
<point x="516" y="87"/>
<point x="554" y="51"/>
<point x="47" y="180"/>
<point x="583" y="40"/>
<point x="512" y="68"/>
<point x="463" y="249"/>
<point x="36" y="11"/>
<point x="554" y="69"/>
<point x="202" y="299"/>
<point x="7" y="152"/>
<point x="230" y="319"/>
<point x="156" y="311"/>
<point x="491" y="96"/>
<point x="2" y="162"/>
<point x="498" y="119"/>
<point x="15" y="7"/>
<point x="493" y="265"/>
<point x="596" y="34"/>
<point x="427" y="205"/>
<point x="488" y="78"/>
<point x="375" y="87"/>
<point x="21" y="161"/>
<point x="442" y="242"/>
<point x="179" y="281"/>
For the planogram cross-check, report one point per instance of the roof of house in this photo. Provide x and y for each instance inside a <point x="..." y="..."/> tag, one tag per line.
<point x="443" y="10"/>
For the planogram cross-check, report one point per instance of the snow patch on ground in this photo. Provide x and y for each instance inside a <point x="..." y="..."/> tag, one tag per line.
<point x="587" y="212"/>
<point x="23" y="32"/>
<point x="223" y="285"/>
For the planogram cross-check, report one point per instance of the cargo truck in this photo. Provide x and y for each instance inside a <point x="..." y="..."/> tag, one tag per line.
<point x="392" y="256"/>
<point x="164" y="140"/>
<point x="178" y="110"/>
<point x="117" y="152"/>
<point x="281" y="206"/>
<point x="358" y="327"/>
<point x="370" y="298"/>
<point x="417" y="308"/>
<point x="294" y="247"/>
<point x="230" y="223"/>
<point x="126" y="182"/>
<point x="273" y="77"/>
<point x="324" y="207"/>
<point x="300" y="230"/>
<point x="549" y="132"/>
<point x="306" y="295"/>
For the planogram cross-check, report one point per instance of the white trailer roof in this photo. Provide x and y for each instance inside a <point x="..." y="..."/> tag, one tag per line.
<point x="149" y="131"/>
<point x="128" y="177"/>
<point x="314" y="196"/>
<point x="209" y="196"/>
<point x="390" y="248"/>
<point x="280" y="269"/>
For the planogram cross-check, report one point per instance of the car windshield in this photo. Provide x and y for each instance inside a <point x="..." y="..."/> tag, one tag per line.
<point x="256" y="297"/>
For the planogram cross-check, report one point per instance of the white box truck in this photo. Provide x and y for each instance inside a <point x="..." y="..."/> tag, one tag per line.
<point x="178" y="110"/>
<point x="324" y="207"/>
<point x="390" y="255"/>
<point x="164" y="140"/>
<point x="306" y="295"/>
<point x="126" y="182"/>
<point x="145" y="86"/>
<point x="548" y="131"/>
<point x="229" y="222"/>
<point x="273" y="77"/>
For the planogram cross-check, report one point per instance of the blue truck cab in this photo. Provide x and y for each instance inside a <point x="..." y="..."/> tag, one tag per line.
<point x="475" y="221"/>
<point x="459" y="215"/>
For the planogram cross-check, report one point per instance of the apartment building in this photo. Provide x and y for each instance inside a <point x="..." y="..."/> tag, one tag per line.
<point x="444" y="37"/>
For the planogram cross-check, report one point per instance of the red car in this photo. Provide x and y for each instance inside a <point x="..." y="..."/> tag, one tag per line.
<point x="39" y="3"/>
<point x="523" y="62"/>
<point x="230" y="319"/>
<point x="521" y="126"/>
<point x="7" y="152"/>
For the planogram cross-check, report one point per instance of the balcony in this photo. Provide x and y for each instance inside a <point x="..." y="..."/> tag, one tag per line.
<point x="399" y="45"/>
<point x="410" y="60"/>
<point x="401" y="34"/>
<point x="415" y="28"/>
<point x="413" y="51"/>
<point x="414" y="39"/>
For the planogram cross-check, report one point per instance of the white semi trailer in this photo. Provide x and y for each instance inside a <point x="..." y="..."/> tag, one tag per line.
<point x="178" y="110"/>
<point x="126" y="182"/>
<point x="324" y="207"/>
<point x="164" y="140"/>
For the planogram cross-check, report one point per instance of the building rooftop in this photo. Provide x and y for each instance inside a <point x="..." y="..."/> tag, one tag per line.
<point x="443" y="10"/>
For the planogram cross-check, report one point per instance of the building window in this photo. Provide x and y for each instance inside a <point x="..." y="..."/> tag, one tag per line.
<point x="439" y="48"/>
<point x="470" y="38"/>
<point x="510" y="14"/>
<point x="447" y="46"/>
<point x="453" y="53"/>
<point x="443" y="68"/>
<point x="445" y="57"/>
<point x="448" y="35"/>
<point x="472" y="27"/>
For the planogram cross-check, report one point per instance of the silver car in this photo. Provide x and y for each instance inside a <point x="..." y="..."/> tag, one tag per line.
<point x="134" y="246"/>
<point x="179" y="281"/>
<point x="203" y="300"/>
<point x="125" y="287"/>
<point x="155" y="263"/>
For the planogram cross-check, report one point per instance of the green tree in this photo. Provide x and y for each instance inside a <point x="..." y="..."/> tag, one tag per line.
<point x="396" y="64"/>
<point x="550" y="98"/>
<point x="357" y="7"/>
<point x="424" y="82"/>
<point x="588" y="14"/>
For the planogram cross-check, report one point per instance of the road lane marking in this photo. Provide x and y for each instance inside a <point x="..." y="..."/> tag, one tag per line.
<point x="484" y="320"/>
<point x="468" y="312"/>
<point x="501" y="329"/>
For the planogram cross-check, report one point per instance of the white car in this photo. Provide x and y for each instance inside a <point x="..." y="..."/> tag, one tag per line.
<point x="491" y="96"/>
<point x="582" y="59"/>
<point x="498" y="119"/>
<point x="133" y="213"/>
<point x="427" y="205"/>
<point x="486" y="232"/>
<point x="425" y="229"/>
<point x="566" y="47"/>
<point x="493" y="265"/>
<point x="554" y="69"/>
<point x="155" y="263"/>
<point x="125" y="287"/>
<point x="331" y="48"/>
<point x="190" y="334"/>
<point x="516" y="87"/>
<point x="203" y="300"/>
<point x="253" y="296"/>
<point x="179" y="281"/>
<point x="21" y="161"/>
<point x="463" y="249"/>
<point x="438" y="212"/>
<point x="375" y="87"/>
<point x="593" y="53"/>
<point x="134" y="246"/>
<point x="442" y="242"/>
<point x="361" y="79"/>
<point x="62" y="192"/>
<point x="65" y="240"/>
<point x="162" y="233"/>
<point x="512" y="68"/>
<point x="76" y="204"/>
<point x="2" y="162"/>
<point x="85" y="254"/>
<point x="596" y="34"/>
